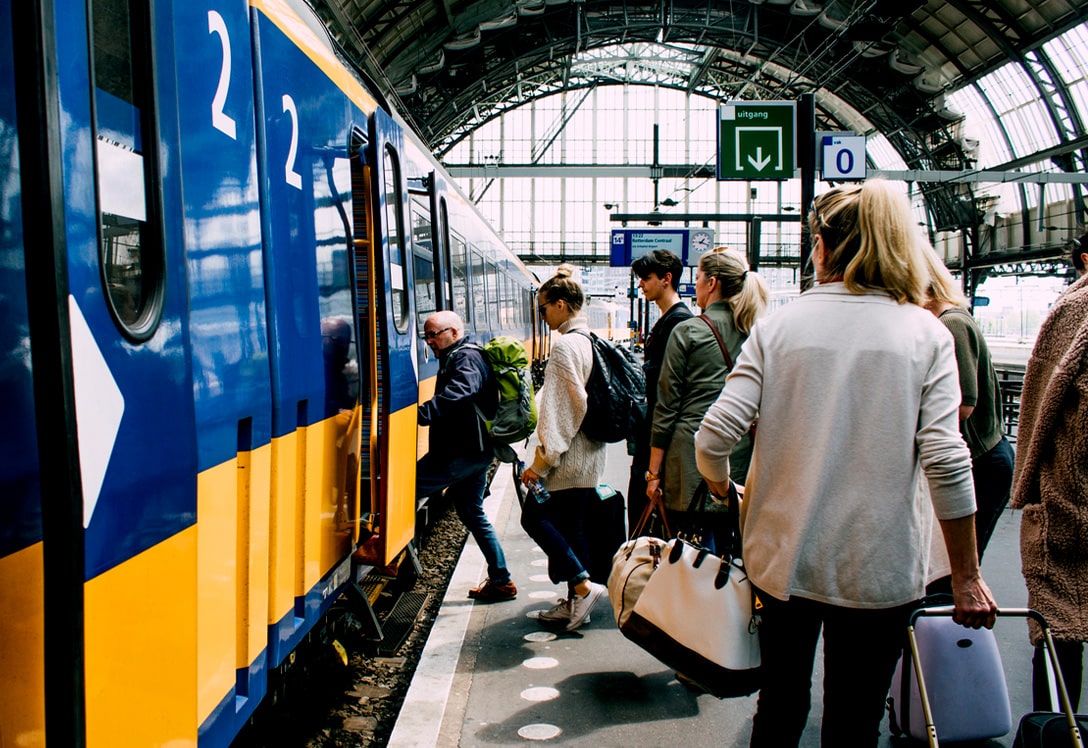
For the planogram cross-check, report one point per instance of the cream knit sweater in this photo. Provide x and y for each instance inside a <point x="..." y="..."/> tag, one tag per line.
<point x="565" y="457"/>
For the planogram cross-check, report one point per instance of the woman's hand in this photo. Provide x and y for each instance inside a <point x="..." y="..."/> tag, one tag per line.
<point x="653" y="488"/>
<point x="529" y="476"/>
<point x="718" y="488"/>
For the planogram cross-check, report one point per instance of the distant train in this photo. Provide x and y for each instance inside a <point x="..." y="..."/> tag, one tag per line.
<point x="218" y="246"/>
<point x="607" y="319"/>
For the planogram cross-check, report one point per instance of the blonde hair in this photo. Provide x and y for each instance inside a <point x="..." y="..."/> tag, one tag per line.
<point x="871" y="240"/>
<point x="745" y="290"/>
<point x="942" y="286"/>
<point x="563" y="286"/>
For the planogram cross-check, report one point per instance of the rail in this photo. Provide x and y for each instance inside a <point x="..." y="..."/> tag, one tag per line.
<point x="1010" y="381"/>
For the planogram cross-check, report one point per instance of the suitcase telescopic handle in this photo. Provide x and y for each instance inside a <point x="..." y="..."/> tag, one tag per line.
<point x="1048" y="641"/>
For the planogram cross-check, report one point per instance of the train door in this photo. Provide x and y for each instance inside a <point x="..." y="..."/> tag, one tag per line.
<point x="440" y="231"/>
<point x="22" y="569"/>
<point x="395" y="365"/>
<point x="108" y="318"/>
<point x="428" y="276"/>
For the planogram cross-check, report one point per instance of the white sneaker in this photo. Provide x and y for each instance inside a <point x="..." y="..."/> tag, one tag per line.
<point x="558" y="613"/>
<point x="580" y="606"/>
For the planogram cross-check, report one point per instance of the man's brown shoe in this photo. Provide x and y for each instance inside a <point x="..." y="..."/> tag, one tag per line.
<point x="490" y="592"/>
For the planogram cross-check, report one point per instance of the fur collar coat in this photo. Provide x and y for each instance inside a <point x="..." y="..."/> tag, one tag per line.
<point x="1050" y="481"/>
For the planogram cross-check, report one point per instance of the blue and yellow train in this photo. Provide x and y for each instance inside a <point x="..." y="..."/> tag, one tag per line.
<point x="218" y="245"/>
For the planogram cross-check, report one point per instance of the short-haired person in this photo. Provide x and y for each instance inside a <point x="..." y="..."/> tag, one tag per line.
<point x="692" y="376"/>
<point x="980" y="412"/>
<point x="567" y="461"/>
<point x="856" y="390"/>
<point x="658" y="275"/>
<point x="460" y="450"/>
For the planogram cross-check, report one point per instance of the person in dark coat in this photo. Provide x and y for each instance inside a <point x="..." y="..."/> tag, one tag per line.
<point x="659" y="280"/>
<point x="1050" y="483"/>
<point x="460" y="451"/>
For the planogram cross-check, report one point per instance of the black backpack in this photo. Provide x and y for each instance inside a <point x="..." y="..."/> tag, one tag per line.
<point x="616" y="392"/>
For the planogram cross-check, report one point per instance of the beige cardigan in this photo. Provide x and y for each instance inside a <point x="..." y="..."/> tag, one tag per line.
<point x="1050" y="480"/>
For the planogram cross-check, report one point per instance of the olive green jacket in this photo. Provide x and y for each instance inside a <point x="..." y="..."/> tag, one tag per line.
<point x="692" y="376"/>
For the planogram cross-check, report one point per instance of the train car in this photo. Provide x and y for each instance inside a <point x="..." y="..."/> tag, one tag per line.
<point x="218" y="245"/>
<point x="606" y="319"/>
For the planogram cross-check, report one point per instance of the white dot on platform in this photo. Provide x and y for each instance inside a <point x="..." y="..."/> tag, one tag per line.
<point x="540" y="663"/>
<point x="542" y="594"/>
<point x="540" y="636"/>
<point x="540" y="693"/>
<point x="539" y="731"/>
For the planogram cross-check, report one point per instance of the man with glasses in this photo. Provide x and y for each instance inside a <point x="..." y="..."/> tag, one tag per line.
<point x="460" y="451"/>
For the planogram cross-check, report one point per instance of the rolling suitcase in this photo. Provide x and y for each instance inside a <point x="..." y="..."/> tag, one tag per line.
<point x="966" y="680"/>
<point x="606" y="530"/>
<point x="1072" y="734"/>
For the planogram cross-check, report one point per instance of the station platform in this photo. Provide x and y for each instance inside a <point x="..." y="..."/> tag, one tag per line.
<point x="491" y="675"/>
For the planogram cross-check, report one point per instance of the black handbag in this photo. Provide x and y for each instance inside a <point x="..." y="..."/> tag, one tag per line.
<point x="1047" y="730"/>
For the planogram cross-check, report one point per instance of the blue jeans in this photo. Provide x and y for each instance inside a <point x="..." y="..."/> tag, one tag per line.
<point x="558" y="527"/>
<point x="992" y="473"/>
<point x="861" y="647"/>
<point x="465" y="481"/>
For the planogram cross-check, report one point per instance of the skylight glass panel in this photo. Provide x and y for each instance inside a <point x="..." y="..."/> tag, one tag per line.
<point x="1069" y="53"/>
<point x="1017" y="102"/>
<point x="980" y="123"/>
<point x="883" y="155"/>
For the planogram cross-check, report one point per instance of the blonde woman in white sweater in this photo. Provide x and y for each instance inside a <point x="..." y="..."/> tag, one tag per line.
<point x="567" y="462"/>
<point x="858" y="396"/>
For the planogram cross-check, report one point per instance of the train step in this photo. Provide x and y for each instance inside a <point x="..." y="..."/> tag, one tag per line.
<point x="399" y="622"/>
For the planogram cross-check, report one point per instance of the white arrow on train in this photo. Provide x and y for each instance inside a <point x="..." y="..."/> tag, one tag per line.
<point x="99" y="407"/>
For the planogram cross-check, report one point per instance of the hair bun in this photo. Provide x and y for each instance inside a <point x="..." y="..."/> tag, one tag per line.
<point x="566" y="270"/>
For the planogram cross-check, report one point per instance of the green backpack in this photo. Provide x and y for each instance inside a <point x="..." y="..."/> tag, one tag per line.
<point x="515" y="418"/>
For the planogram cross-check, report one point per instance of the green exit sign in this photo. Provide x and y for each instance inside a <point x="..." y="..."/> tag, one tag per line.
<point x="756" y="139"/>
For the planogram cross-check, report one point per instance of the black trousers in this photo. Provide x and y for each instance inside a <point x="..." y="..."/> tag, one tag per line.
<point x="861" y="648"/>
<point x="1071" y="661"/>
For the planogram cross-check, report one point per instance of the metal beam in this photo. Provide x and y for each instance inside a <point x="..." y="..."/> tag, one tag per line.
<point x="699" y="217"/>
<point x="702" y="171"/>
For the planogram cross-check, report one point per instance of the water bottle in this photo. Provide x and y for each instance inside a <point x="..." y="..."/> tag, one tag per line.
<point x="538" y="492"/>
<point x="535" y="488"/>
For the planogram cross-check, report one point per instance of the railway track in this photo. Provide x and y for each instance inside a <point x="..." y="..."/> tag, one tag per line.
<point x="350" y="690"/>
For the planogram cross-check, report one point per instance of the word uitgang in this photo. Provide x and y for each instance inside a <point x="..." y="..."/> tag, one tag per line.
<point x="743" y="114"/>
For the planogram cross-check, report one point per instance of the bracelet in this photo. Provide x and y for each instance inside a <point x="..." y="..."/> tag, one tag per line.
<point x="651" y="476"/>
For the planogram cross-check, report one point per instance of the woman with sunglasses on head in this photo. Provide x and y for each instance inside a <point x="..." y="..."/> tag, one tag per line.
<point x="693" y="373"/>
<point x="857" y="393"/>
<point x="567" y="462"/>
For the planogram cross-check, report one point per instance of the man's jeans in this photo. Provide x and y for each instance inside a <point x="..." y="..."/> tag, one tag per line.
<point x="465" y="481"/>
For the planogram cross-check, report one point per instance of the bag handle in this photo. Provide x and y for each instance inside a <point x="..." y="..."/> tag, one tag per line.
<point x="731" y="543"/>
<point x="721" y="343"/>
<point x="654" y="506"/>
<point x="728" y="358"/>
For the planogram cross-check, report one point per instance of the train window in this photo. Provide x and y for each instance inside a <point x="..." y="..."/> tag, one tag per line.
<point x="494" y="293"/>
<point x="480" y="291"/>
<point x="130" y="239"/>
<point x="507" y="306"/>
<point x="332" y="187"/>
<point x="424" y="261"/>
<point x="398" y="268"/>
<point x="459" y="272"/>
<point x="442" y="245"/>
